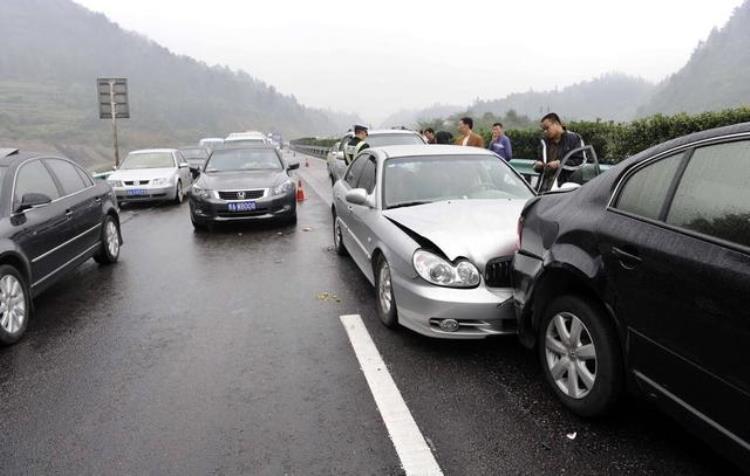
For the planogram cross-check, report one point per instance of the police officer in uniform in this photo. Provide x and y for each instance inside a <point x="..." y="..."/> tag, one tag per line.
<point x="356" y="143"/>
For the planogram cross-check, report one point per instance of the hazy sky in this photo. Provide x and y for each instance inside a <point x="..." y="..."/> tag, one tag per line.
<point x="377" y="57"/>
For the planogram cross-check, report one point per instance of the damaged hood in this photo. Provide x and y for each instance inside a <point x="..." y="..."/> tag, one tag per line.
<point x="479" y="230"/>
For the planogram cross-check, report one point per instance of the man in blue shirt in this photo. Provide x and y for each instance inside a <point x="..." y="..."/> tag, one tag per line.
<point x="500" y="144"/>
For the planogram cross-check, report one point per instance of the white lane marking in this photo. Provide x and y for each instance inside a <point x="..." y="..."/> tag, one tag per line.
<point x="413" y="451"/>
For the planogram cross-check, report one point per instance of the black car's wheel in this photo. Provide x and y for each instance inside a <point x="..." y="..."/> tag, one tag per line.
<point x="110" y="248"/>
<point x="15" y="305"/>
<point x="580" y="355"/>
<point x="179" y="193"/>
<point x="338" y="237"/>
<point x="386" y="303"/>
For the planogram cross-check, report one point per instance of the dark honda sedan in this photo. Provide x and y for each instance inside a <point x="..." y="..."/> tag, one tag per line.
<point x="243" y="184"/>
<point x="53" y="217"/>
<point x="641" y="278"/>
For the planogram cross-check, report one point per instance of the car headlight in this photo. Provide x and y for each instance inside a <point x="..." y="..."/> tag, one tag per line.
<point x="115" y="183"/>
<point x="160" y="181"/>
<point x="199" y="192"/>
<point x="284" y="188"/>
<point x="436" y="270"/>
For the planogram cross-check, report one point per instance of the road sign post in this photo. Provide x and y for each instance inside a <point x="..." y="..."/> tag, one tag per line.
<point x="113" y="104"/>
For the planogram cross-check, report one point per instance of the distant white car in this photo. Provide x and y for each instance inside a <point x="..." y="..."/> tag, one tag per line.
<point x="243" y="139"/>
<point x="211" y="143"/>
<point x="150" y="175"/>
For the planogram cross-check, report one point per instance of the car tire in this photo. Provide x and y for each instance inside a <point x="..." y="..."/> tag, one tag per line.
<point x="338" y="238"/>
<point x="14" y="293"/>
<point x="580" y="355"/>
<point x="109" y="252"/>
<point x="179" y="194"/>
<point x="385" y="301"/>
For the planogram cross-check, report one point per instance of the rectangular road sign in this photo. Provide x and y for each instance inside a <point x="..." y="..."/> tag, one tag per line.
<point x="113" y="92"/>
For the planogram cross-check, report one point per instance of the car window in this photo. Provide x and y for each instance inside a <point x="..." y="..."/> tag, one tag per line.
<point x="355" y="170"/>
<point x="33" y="177"/>
<point x="67" y="175"/>
<point x="368" y="176"/>
<point x="713" y="197"/>
<point x="645" y="191"/>
<point x="380" y="140"/>
<point x="85" y="177"/>
<point x="148" y="160"/>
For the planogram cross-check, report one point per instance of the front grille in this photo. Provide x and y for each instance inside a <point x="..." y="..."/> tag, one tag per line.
<point x="137" y="182"/>
<point x="498" y="272"/>
<point x="237" y="195"/>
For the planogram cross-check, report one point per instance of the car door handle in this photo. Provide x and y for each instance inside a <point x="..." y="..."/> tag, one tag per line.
<point x="98" y="199"/>
<point x="628" y="259"/>
<point x="68" y="213"/>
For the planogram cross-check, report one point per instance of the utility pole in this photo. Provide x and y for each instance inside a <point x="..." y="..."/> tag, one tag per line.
<point x="113" y="106"/>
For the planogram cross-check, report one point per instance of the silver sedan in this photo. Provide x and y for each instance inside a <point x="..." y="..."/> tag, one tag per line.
<point x="434" y="229"/>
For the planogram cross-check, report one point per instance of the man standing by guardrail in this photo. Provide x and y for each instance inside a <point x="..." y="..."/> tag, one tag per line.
<point x="468" y="136"/>
<point x="500" y="143"/>
<point x="356" y="143"/>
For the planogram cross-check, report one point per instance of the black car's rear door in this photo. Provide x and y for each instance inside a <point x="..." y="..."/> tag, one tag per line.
<point x="677" y="251"/>
<point x="82" y="203"/>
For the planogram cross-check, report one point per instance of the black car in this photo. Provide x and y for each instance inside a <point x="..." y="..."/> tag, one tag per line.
<point x="53" y="217"/>
<point x="243" y="184"/>
<point x="196" y="157"/>
<point x="641" y="279"/>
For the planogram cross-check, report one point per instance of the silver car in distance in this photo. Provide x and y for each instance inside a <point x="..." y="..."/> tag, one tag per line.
<point x="434" y="229"/>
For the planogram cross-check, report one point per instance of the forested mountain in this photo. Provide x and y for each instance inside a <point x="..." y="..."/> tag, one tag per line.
<point x="717" y="75"/>
<point x="412" y="117"/>
<point x="613" y="96"/>
<point x="52" y="51"/>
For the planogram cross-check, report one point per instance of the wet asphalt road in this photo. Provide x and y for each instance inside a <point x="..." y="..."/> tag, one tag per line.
<point x="222" y="353"/>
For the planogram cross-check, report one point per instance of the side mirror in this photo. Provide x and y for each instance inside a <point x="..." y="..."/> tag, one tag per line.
<point x="340" y="155"/>
<point x="358" y="196"/>
<point x="33" y="200"/>
<point x="293" y="166"/>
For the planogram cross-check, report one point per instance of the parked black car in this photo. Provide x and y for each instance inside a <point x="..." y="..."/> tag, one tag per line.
<point x="53" y="217"/>
<point x="641" y="279"/>
<point x="244" y="184"/>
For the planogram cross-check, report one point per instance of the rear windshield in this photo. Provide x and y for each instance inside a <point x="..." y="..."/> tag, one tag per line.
<point x="381" y="140"/>
<point x="148" y="160"/>
<point x="194" y="153"/>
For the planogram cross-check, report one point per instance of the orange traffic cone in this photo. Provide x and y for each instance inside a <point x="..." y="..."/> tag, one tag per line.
<point x="300" y="192"/>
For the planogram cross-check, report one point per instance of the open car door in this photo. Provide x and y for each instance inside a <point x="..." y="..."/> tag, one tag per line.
<point x="579" y="166"/>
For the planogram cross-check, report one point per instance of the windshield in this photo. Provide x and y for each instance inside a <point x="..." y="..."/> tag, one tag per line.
<point x="227" y="160"/>
<point x="415" y="180"/>
<point x="241" y="142"/>
<point x="194" y="153"/>
<point x="381" y="140"/>
<point x="148" y="160"/>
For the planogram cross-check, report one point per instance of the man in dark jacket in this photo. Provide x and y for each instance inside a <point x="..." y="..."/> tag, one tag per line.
<point x="556" y="144"/>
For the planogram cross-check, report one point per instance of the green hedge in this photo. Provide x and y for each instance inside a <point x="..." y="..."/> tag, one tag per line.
<point x="315" y="141"/>
<point x="614" y="142"/>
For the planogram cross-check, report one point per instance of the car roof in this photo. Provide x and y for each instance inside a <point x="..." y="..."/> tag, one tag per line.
<point x="411" y="150"/>
<point x="375" y="132"/>
<point x="151" y="151"/>
<point x="247" y="147"/>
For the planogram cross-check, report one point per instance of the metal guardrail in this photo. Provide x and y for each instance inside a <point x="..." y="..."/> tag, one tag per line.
<point x="314" y="150"/>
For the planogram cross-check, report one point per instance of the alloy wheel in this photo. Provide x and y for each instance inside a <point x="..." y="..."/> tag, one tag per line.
<point x="12" y="304"/>
<point x="385" y="290"/>
<point x="112" y="238"/>
<point x="570" y="355"/>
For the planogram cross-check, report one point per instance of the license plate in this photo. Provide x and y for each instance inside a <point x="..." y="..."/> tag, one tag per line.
<point x="242" y="206"/>
<point x="136" y="191"/>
